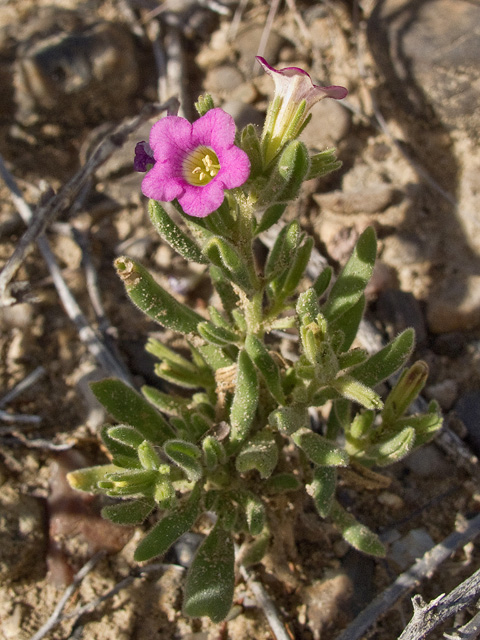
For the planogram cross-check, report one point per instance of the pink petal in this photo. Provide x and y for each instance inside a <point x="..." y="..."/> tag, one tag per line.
<point x="235" y="167"/>
<point x="170" y="137"/>
<point x="215" y="129"/>
<point x="159" y="187"/>
<point x="200" y="201"/>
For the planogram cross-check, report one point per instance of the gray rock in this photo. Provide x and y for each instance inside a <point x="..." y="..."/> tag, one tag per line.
<point x="247" y="43"/>
<point x="454" y="304"/>
<point x="330" y="124"/>
<point x="429" y="52"/>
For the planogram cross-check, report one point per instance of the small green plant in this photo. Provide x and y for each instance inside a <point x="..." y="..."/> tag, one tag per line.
<point x="240" y="430"/>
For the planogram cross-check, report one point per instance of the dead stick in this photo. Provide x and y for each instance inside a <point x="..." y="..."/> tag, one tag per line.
<point x="410" y="579"/>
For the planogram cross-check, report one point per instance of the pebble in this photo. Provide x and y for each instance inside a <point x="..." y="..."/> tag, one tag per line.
<point x="445" y="393"/>
<point x="247" y="42"/>
<point x="468" y="410"/>
<point x="224" y="78"/>
<point x="428" y="462"/>
<point x="414" y="545"/>
<point x="329" y="125"/>
<point x="372" y="200"/>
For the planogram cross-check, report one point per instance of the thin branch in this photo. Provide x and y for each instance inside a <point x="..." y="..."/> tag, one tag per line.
<point x="267" y="29"/>
<point x="266" y="604"/>
<point x="410" y="579"/>
<point x="54" y="619"/>
<point x="24" y="384"/>
<point x="427" y="617"/>
<point x="469" y="631"/>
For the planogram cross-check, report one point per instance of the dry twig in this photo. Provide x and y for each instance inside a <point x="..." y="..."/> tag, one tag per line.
<point x="410" y="579"/>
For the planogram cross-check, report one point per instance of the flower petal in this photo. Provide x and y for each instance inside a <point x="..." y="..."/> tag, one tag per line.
<point x="235" y="167"/>
<point x="201" y="201"/>
<point x="157" y="184"/>
<point x="170" y="137"/>
<point x="215" y="129"/>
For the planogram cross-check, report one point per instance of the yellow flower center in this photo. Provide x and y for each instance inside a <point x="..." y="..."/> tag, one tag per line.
<point x="200" y="166"/>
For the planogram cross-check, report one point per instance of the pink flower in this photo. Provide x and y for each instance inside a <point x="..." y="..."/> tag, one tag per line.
<point x="295" y="95"/>
<point x="196" y="162"/>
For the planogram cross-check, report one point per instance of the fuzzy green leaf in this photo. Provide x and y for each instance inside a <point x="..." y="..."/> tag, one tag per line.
<point x="323" y="488"/>
<point x="287" y="177"/>
<point x="354" y="277"/>
<point x="385" y="362"/>
<point x="323" y="163"/>
<point x="128" y="406"/>
<point x="405" y="391"/>
<point x="320" y="450"/>
<point x="270" y="217"/>
<point x="266" y="365"/>
<point x="225" y="256"/>
<point x="289" y="419"/>
<point x="391" y="450"/>
<point x="348" y="323"/>
<point x="172" y="234"/>
<point x="129" y="511"/>
<point x="87" y="479"/>
<point x="245" y="400"/>
<point x="126" y="435"/>
<point x="218" y="336"/>
<point x="210" y="579"/>
<point x="355" y="533"/>
<point x="174" y="524"/>
<point x="351" y="389"/>
<point x="186" y="455"/>
<point x="153" y="300"/>
<point x="260" y="452"/>
<point x="282" y="482"/>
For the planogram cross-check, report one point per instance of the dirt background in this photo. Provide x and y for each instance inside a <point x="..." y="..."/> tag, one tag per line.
<point x="407" y="174"/>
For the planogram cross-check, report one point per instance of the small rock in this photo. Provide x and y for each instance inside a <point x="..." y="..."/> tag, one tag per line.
<point x="428" y="462"/>
<point x="468" y="410"/>
<point x="223" y="79"/>
<point x="390" y="500"/>
<point x="445" y="393"/>
<point x="414" y="545"/>
<point x="454" y="304"/>
<point x="371" y="200"/>
<point x="330" y="124"/>
<point x="247" y="43"/>
<point x="243" y="114"/>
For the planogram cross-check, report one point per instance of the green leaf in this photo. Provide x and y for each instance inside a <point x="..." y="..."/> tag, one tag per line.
<point x="186" y="455"/>
<point x="164" y="353"/>
<point x="323" y="280"/>
<point x="224" y="289"/>
<point x="169" y="403"/>
<point x="323" y="163"/>
<point x="204" y="104"/>
<point x="320" y="450"/>
<point x="353" y="279"/>
<point x="87" y="479"/>
<point x="218" y="336"/>
<point x="116" y="448"/>
<point x="169" y="528"/>
<point x="308" y="307"/>
<point x="172" y="234"/>
<point x="129" y="511"/>
<point x="215" y="357"/>
<point x="225" y="256"/>
<point x="356" y="534"/>
<point x="260" y="453"/>
<point x="282" y="482"/>
<point x="297" y="269"/>
<point x="254" y="512"/>
<point x="351" y="389"/>
<point x="128" y="406"/>
<point x="385" y="362"/>
<point x="250" y="143"/>
<point x="277" y="256"/>
<point x="266" y="365"/>
<point x="323" y="488"/>
<point x="214" y="452"/>
<point x="425" y="425"/>
<point x="348" y="323"/>
<point x="153" y="300"/>
<point x="391" y="450"/>
<point x="126" y="435"/>
<point x="210" y="579"/>
<point x="148" y="456"/>
<point x="405" y="391"/>
<point x="245" y="400"/>
<point x="270" y="217"/>
<point x="289" y="419"/>
<point x="287" y="177"/>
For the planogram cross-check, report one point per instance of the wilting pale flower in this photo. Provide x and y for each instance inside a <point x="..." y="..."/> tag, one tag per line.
<point x="194" y="163"/>
<point x="295" y="95"/>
